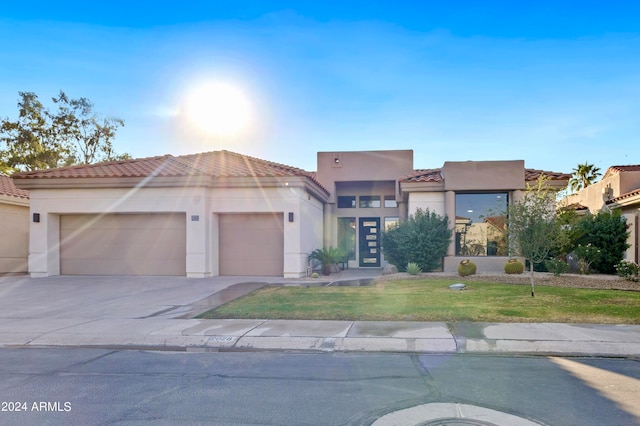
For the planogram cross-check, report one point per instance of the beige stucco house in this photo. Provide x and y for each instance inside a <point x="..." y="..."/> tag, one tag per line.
<point x="618" y="189"/>
<point x="223" y="213"/>
<point x="14" y="227"/>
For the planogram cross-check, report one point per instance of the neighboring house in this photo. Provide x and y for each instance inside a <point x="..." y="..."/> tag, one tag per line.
<point x="222" y="213"/>
<point x="619" y="189"/>
<point x="14" y="227"/>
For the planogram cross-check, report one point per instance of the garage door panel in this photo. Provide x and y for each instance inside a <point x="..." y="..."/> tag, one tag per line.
<point x="251" y="244"/>
<point x="123" y="244"/>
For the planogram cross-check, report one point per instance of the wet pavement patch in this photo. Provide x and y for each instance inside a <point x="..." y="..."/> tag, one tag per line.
<point x="360" y="282"/>
<point x="223" y="296"/>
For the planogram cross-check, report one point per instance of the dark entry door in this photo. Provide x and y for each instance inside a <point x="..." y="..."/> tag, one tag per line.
<point x="369" y="241"/>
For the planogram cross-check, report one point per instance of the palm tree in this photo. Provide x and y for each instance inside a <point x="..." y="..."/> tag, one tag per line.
<point x="583" y="176"/>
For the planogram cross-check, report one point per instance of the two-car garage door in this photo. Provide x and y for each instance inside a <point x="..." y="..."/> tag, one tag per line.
<point x="155" y="244"/>
<point x="123" y="244"/>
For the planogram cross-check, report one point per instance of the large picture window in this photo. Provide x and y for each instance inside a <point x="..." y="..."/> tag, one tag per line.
<point x="481" y="224"/>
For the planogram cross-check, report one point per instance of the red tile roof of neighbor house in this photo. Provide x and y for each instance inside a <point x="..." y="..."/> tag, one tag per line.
<point x="617" y="169"/>
<point x="625" y="195"/>
<point x="7" y="187"/>
<point x="434" y="175"/>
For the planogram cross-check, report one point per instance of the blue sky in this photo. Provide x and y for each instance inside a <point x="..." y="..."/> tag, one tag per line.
<point x="553" y="83"/>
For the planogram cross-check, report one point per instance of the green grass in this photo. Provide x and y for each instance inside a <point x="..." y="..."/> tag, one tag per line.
<point x="432" y="300"/>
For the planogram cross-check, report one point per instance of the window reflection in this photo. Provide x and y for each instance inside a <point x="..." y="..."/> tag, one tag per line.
<point x="481" y="224"/>
<point x="347" y="236"/>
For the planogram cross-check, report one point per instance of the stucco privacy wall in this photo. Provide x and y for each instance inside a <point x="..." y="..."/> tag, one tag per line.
<point x="434" y="201"/>
<point x="14" y="232"/>
<point x="200" y="204"/>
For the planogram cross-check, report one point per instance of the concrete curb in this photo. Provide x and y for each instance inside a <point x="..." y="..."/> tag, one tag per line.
<point x="327" y="336"/>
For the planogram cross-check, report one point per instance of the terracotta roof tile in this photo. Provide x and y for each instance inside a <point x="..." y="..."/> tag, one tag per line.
<point x="625" y="195"/>
<point x="617" y="169"/>
<point x="215" y="164"/>
<point x="434" y="175"/>
<point x="158" y="166"/>
<point x="230" y="164"/>
<point x="7" y="187"/>
<point x="423" y="175"/>
<point x="534" y="174"/>
<point x="575" y="206"/>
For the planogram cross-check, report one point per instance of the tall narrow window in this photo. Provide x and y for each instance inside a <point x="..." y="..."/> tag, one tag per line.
<point x="481" y="224"/>
<point x="347" y="236"/>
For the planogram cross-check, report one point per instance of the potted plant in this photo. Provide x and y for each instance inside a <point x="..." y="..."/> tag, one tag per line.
<point x="326" y="257"/>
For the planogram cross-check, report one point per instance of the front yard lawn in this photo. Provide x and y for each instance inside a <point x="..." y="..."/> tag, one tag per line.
<point x="432" y="300"/>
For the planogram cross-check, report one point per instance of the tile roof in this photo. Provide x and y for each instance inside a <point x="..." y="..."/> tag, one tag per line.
<point x="534" y="174"/>
<point x="215" y="163"/>
<point x="7" y="187"/>
<point x="434" y="175"/>
<point x="423" y="175"/>
<point x="630" y="194"/>
<point x="230" y="164"/>
<point x="617" y="169"/>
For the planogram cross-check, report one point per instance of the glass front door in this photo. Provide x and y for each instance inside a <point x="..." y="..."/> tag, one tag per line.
<point x="369" y="241"/>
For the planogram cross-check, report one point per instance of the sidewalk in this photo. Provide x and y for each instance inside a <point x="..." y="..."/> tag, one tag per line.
<point x="135" y="314"/>
<point x="326" y="336"/>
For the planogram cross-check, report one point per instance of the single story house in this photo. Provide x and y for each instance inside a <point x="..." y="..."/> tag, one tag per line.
<point x="14" y="227"/>
<point x="223" y="213"/>
<point x="618" y="189"/>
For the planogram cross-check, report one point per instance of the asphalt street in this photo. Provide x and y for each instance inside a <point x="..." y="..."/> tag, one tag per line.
<point x="109" y="387"/>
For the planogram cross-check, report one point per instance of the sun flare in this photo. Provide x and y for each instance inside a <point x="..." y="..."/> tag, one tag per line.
<point x="219" y="109"/>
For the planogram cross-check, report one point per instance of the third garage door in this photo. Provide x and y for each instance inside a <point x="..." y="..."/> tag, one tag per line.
<point x="251" y="244"/>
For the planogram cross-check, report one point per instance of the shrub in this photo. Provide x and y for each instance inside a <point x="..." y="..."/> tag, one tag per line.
<point x="315" y="275"/>
<point x="513" y="266"/>
<point x="423" y="239"/>
<point x="413" y="268"/>
<point x="466" y="267"/>
<point x="586" y="256"/>
<point x="556" y="266"/>
<point x="628" y="270"/>
<point x="608" y="232"/>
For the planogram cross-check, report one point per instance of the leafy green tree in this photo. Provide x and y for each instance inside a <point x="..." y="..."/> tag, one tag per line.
<point x="607" y="231"/>
<point x="41" y="138"/>
<point x="422" y="239"/>
<point x="31" y="142"/>
<point x="534" y="230"/>
<point x="583" y="176"/>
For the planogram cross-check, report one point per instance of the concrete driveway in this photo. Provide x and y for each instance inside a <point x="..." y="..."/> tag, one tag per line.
<point x="158" y="313"/>
<point x="102" y="297"/>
